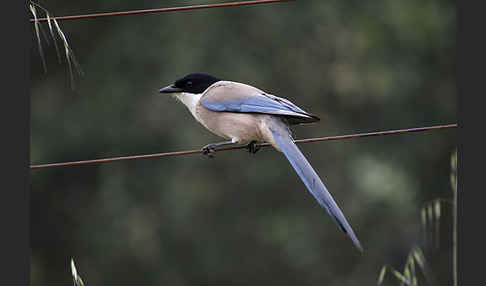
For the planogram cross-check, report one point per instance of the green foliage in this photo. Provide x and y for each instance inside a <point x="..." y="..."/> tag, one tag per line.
<point x="432" y="210"/>
<point x="409" y="275"/>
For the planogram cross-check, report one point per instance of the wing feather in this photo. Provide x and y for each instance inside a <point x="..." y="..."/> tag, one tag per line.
<point x="237" y="97"/>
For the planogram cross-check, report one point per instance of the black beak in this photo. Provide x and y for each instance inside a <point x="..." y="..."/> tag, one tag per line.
<point x="170" y="89"/>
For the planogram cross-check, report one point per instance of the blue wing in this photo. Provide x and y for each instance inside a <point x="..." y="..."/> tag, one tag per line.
<point x="260" y="103"/>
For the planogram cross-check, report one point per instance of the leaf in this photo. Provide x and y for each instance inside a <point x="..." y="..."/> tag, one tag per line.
<point x="76" y="278"/>
<point x="407" y="274"/>
<point x="412" y="270"/>
<point x="400" y="277"/>
<point x="453" y="176"/>
<point x="382" y="275"/>
<point x="424" y="217"/>
<point x="423" y="214"/>
<point x="437" y="223"/>
<point x="454" y="161"/>
<point x="437" y="209"/>
<point x="430" y="213"/>
<point x="420" y="259"/>
<point x="73" y="270"/>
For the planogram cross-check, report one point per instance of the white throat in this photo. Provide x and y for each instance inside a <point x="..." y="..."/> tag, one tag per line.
<point x="190" y="100"/>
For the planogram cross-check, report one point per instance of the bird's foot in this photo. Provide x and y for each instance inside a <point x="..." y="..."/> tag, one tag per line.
<point x="209" y="150"/>
<point x="253" y="147"/>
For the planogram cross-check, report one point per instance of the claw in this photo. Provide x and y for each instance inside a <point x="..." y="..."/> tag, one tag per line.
<point x="253" y="147"/>
<point x="209" y="150"/>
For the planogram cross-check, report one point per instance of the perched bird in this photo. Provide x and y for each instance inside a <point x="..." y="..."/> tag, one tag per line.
<point x="243" y="114"/>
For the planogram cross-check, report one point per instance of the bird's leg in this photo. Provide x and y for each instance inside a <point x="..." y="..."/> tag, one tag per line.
<point x="211" y="148"/>
<point x="253" y="147"/>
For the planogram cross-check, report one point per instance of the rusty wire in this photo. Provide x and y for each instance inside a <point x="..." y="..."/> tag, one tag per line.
<point x="189" y="152"/>
<point x="161" y="10"/>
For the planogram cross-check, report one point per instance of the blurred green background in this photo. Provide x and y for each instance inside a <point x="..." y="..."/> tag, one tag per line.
<point x="241" y="219"/>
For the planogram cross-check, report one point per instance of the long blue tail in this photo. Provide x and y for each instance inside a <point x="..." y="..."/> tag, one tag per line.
<point x="312" y="181"/>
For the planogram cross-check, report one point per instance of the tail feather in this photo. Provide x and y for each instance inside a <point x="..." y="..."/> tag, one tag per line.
<point x="312" y="181"/>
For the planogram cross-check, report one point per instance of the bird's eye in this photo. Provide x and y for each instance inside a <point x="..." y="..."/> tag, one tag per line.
<point x="189" y="83"/>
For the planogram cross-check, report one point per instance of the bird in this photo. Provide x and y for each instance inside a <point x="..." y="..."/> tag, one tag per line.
<point x="246" y="115"/>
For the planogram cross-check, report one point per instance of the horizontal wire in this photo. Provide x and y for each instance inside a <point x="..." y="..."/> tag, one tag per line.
<point x="160" y="10"/>
<point x="189" y="152"/>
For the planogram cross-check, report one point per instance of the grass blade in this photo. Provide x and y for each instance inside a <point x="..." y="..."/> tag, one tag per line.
<point x="400" y="277"/>
<point x="454" y="216"/>
<point x="430" y="223"/>
<point x="437" y="223"/>
<point x="423" y="214"/>
<point x="36" y="27"/>
<point x="382" y="275"/>
<point x="413" y="274"/>
<point x="76" y="278"/>
<point x="53" y="37"/>
<point x="407" y="274"/>
<point x="67" y="50"/>
<point x="420" y="259"/>
<point x="54" y="29"/>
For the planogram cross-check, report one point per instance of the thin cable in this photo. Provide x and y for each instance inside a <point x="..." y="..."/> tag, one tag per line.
<point x="160" y="10"/>
<point x="189" y="152"/>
